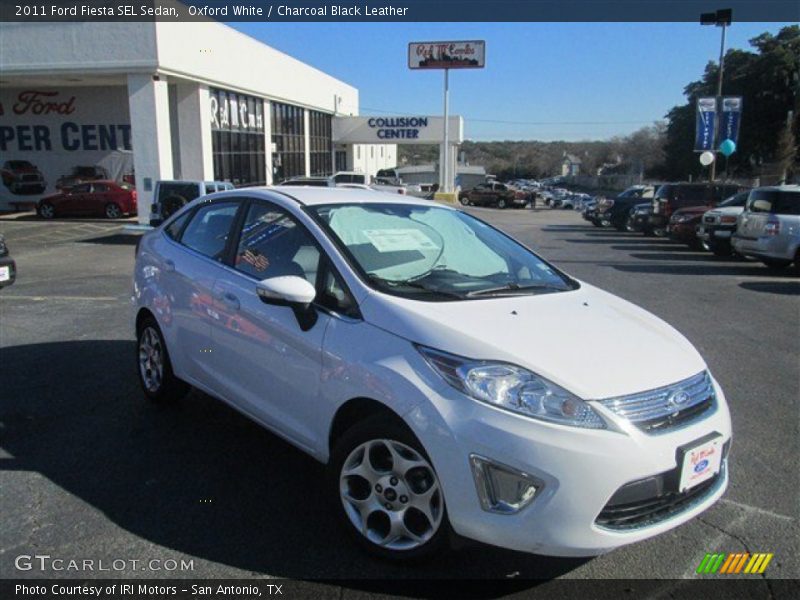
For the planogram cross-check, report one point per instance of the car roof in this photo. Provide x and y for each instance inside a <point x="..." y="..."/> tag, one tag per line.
<point x="311" y="196"/>
<point x="779" y="188"/>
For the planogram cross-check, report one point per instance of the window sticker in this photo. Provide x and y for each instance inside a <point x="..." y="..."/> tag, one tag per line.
<point x="399" y="240"/>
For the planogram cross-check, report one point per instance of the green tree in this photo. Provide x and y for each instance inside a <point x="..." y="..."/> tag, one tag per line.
<point x="768" y="80"/>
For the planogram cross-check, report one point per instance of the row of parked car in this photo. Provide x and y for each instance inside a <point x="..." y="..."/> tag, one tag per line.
<point x="723" y="218"/>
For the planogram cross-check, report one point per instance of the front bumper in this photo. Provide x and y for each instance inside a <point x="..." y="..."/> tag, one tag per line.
<point x="683" y="232"/>
<point x="581" y="470"/>
<point x="714" y="233"/>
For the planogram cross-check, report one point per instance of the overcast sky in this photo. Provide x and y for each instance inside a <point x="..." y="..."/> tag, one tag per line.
<point x="544" y="81"/>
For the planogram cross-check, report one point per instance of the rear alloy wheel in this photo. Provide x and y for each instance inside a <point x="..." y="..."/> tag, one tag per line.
<point x="389" y="494"/>
<point x="113" y="211"/>
<point x="154" y="367"/>
<point x="46" y="210"/>
<point x="501" y="203"/>
<point x="464" y="201"/>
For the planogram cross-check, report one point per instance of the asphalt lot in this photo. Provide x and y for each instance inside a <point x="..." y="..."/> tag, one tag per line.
<point x="89" y="469"/>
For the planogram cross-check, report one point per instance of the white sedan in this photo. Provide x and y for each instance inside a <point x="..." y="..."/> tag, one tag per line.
<point x="450" y="378"/>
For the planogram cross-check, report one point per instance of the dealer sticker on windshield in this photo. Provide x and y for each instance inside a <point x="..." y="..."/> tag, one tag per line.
<point x="700" y="463"/>
<point x="398" y="240"/>
<point x="5" y="273"/>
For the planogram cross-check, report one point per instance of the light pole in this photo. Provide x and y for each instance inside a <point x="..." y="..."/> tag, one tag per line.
<point x="721" y="18"/>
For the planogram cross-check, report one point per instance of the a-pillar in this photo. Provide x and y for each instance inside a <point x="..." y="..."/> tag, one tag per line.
<point x="148" y="103"/>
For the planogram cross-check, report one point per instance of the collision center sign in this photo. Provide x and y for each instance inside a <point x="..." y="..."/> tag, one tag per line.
<point x="447" y="55"/>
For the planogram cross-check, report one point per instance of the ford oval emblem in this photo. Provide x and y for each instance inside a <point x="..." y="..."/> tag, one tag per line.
<point x="701" y="466"/>
<point x="678" y="399"/>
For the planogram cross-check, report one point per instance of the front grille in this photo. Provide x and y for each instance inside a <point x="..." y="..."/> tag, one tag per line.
<point x="666" y="407"/>
<point x="30" y="177"/>
<point x="648" y="502"/>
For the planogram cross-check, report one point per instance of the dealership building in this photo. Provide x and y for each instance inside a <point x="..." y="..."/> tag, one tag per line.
<point x="160" y="100"/>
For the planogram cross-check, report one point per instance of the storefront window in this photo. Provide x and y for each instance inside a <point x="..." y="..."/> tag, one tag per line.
<point x="321" y="143"/>
<point x="288" y="142"/>
<point x="237" y="138"/>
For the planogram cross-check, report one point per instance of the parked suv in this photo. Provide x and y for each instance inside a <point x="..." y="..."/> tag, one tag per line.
<point x="769" y="227"/>
<point x="718" y="224"/>
<point x="614" y="212"/>
<point x="671" y="197"/>
<point x="169" y="196"/>
<point x="391" y="339"/>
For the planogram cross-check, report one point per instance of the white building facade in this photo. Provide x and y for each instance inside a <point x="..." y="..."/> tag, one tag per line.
<point x="167" y="101"/>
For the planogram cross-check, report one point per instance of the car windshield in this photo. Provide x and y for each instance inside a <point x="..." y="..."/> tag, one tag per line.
<point x="435" y="253"/>
<point x="737" y="200"/>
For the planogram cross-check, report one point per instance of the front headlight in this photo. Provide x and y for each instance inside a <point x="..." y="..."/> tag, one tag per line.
<point x="513" y="388"/>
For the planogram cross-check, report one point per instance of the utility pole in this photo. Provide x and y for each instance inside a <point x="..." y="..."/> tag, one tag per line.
<point x="721" y="18"/>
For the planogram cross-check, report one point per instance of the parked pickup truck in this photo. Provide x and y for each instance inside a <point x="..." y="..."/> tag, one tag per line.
<point x="495" y="194"/>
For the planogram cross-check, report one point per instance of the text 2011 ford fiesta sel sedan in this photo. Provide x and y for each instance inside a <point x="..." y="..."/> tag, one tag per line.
<point x="451" y="379"/>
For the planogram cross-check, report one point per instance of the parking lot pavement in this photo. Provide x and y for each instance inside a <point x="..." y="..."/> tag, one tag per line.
<point x="91" y="470"/>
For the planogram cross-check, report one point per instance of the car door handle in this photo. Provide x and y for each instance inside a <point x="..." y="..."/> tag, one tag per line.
<point x="169" y="266"/>
<point x="231" y="300"/>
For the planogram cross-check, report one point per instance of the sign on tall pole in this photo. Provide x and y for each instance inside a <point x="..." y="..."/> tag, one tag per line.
<point x="446" y="55"/>
<point x="705" y="124"/>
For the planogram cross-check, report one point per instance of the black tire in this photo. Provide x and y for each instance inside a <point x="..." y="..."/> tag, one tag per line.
<point x="464" y="201"/>
<point x="112" y="211"/>
<point x="648" y="232"/>
<point x="721" y="250"/>
<point x="382" y="427"/>
<point x="501" y="203"/>
<point x="797" y="263"/>
<point x="621" y="226"/>
<point x="629" y="225"/>
<point x="776" y="263"/>
<point x="170" y="388"/>
<point x="596" y="223"/>
<point x="45" y="210"/>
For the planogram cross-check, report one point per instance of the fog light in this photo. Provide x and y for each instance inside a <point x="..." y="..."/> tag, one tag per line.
<point x="503" y="489"/>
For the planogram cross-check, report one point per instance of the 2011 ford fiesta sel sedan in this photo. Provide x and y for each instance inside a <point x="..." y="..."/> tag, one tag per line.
<point x="452" y="380"/>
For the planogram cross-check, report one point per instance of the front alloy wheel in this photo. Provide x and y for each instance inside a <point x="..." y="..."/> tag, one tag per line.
<point x="151" y="360"/>
<point x="391" y="495"/>
<point x="113" y="211"/>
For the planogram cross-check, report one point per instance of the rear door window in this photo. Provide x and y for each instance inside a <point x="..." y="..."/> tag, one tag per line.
<point x="775" y="202"/>
<point x="209" y="229"/>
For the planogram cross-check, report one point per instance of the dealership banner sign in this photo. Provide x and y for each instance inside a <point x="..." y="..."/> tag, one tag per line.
<point x="731" y="119"/>
<point x="447" y="55"/>
<point x="704" y="124"/>
<point x="48" y="135"/>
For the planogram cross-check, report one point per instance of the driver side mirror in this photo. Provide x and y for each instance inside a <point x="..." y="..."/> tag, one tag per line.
<point x="294" y="292"/>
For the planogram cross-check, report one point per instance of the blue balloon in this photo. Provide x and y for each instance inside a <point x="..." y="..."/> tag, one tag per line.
<point x="727" y="147"/>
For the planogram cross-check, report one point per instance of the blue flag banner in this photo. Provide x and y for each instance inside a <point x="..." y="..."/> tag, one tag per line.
<point x="731" y="118"/>
<point x="704" y="127"/>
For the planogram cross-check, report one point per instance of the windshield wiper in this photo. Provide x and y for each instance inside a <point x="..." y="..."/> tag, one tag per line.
<point x="513" y="288"/>
<point x="413" y="284"/>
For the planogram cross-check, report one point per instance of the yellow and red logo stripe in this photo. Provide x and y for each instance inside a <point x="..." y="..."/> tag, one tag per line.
<point x="734" y="563"/>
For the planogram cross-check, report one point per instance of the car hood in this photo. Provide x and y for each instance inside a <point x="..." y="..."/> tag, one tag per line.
<point x="588" y="341"/>
<point x="691" y="210"/>
<point x="727" y="210"/>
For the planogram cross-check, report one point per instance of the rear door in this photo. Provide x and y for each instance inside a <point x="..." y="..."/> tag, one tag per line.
<point x="73" y="203"/>
<point x="194" y="247"/>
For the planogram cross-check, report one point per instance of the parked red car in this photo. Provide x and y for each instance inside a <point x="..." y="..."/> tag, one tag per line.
<point x="98" y="198"/>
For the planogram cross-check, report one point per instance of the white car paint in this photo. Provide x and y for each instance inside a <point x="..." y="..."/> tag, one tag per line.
<point x="591" y="343"/>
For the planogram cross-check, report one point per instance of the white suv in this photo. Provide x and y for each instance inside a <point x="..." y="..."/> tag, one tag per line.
<point x="450" y="378"/>
<point x="769" y="227"/>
